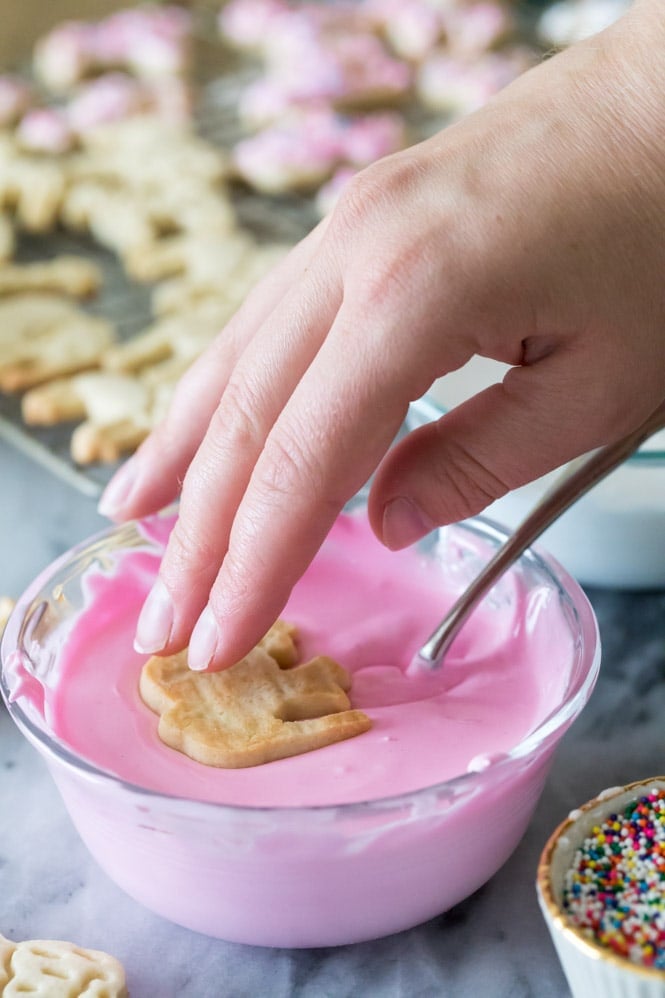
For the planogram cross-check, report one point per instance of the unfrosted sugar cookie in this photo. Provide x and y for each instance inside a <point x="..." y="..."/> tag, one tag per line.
<point x="43" y="336"/>
<point x="263" y="708"/>
<point x="74" y="276"/>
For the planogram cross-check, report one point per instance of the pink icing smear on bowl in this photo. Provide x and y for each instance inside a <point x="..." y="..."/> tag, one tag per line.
<point x="369" y="609"/>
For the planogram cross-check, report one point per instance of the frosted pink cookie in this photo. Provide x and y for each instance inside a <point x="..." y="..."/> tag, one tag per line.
<point x="65" y="55"/>
<point x="298" y="153"/>
<point x="372" y="136"/>
<point x="111" y="97"/>
<point x="243" y="23"/>
<point x="263" y="102"/>
<point x="117" y="96"/>
<point x="45" y="130"/>
<point x="151" y="41"/>
<point x="348" y="69"/>
<point x="15" y="98"/>
<point x="458" y="86"/>
<point x="303" y="150"/>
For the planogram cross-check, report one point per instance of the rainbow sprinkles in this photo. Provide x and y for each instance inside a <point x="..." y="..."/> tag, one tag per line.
<point x="614" y="891"/>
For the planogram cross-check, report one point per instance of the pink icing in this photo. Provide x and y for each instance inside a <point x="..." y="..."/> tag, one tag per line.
<point x="307" y="145"/>
<point x="367" y="608"/>
<point x="244" y="22"/>
<point x="151" y="40"/>
<point x="372" y="136"/>
<point x="45" y="129"/>
<point x="111" y="97"/>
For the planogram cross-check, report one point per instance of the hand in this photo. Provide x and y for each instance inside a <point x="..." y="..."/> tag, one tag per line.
<point x="532" y="233"/>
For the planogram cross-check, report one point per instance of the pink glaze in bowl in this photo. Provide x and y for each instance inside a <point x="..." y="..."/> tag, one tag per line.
<point x="321" y="874"/>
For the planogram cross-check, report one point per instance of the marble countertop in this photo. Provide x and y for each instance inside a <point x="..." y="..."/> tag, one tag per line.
<point x="494" y="943"/>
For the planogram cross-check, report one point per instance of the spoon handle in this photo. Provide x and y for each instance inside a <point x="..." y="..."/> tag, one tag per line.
<point x="580" y="476"/>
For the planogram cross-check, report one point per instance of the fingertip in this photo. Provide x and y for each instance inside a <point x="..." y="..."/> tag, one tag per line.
<point x="116" y="496"/>
<point x="203" y="642"/>
<point x="155" y="623"/>
<point x="403" y="523"/>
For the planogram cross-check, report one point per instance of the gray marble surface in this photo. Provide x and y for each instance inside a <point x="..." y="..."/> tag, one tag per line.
<point x="494" y="944"/>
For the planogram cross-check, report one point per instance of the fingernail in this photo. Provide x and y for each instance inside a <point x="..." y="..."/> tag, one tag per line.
<point x="118" y="489"/>
<point x="155" y="621"/>
<point x="403" y="523"/>
<point x="203" y="642"/>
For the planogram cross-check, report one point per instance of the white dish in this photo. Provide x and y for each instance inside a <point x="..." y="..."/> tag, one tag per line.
<point x="614" y="537"/>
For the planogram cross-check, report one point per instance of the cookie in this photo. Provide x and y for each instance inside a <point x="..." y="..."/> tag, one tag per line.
<point x="213" y="255"/>
<point x="173" y="337"/>
<point x="115" y="412"/>
<point x="201" y="285"/>
<point x="74" y="276"/>
<point x="45" y="130"/>
<point x="254" y="712"/>
<point x="113" y="217"/>
<point x="7" y="238"/>
<point x="44" y="336"/>
<point x="147" y="151"/>
<point x="47" y="968"/>
<point x="32" y="187"/>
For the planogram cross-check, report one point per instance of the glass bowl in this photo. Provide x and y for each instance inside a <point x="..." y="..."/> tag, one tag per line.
<point x="614" y="536"/>
<point x="347" y="866"/>
<point x="594" y="970"/>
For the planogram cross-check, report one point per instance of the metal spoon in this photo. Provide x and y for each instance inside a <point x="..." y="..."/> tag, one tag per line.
<point x="580" y="476"/>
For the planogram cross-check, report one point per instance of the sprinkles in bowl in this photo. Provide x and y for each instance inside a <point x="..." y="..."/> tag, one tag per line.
<point x="614" y="891"/>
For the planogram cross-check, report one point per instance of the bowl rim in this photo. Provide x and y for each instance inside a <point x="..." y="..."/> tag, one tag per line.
<point x="588" y="947"/>
<point x="571" y="594"/>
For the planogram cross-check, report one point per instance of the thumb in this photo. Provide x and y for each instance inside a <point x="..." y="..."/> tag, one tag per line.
<point x="498" y="440"/>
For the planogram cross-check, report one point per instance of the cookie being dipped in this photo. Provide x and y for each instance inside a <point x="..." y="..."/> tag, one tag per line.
<point x="259" y="710"/>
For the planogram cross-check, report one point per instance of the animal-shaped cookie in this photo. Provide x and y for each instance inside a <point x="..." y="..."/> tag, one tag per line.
<point x="47" y="968"/>
<point x="44" y="336"/>
<point x="254" y="712"/>
<point x="74" y="276"/>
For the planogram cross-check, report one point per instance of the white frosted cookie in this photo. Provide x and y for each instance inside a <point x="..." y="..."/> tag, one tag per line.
<point x="48" y="968"/>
